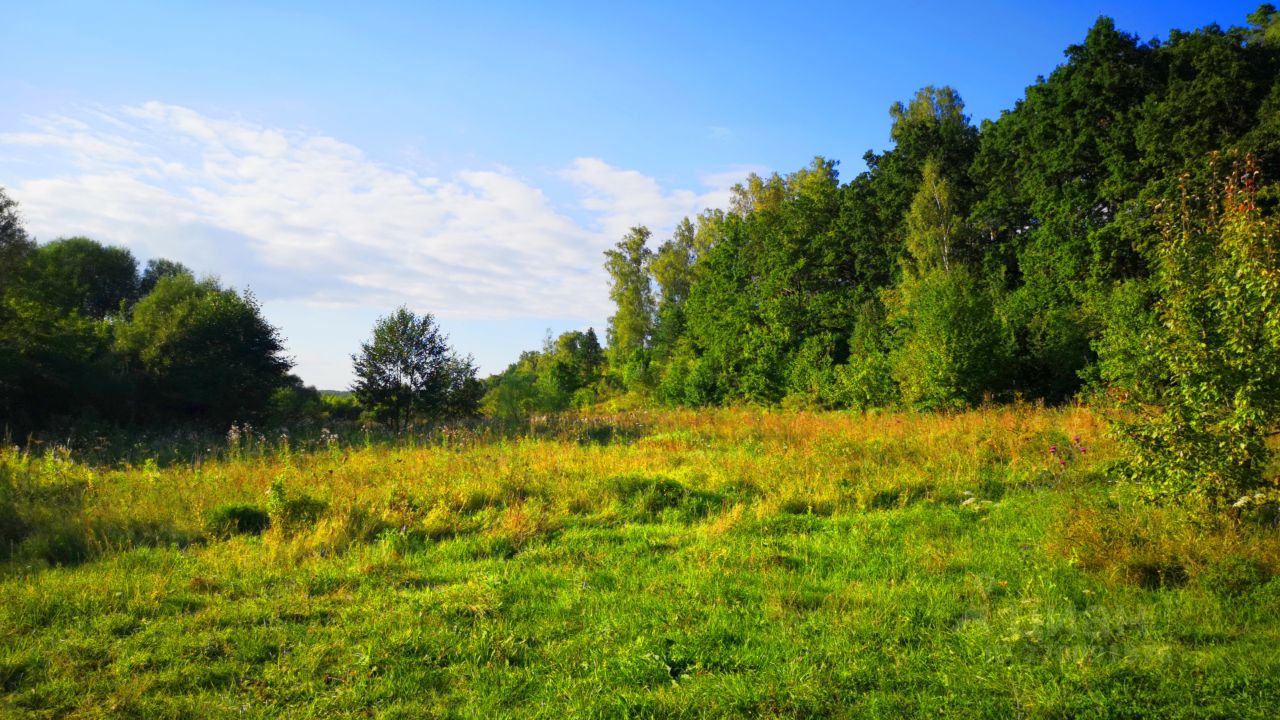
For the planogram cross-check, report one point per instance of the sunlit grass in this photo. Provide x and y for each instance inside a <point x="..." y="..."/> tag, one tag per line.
<point x="720" y="563"/>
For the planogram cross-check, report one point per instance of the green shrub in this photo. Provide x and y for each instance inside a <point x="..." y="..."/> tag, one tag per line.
<point x="1233" y="575"/>
<point x="237" y="519"/>
<point x="291" y="511"/>
<point x="1201" y="383"/>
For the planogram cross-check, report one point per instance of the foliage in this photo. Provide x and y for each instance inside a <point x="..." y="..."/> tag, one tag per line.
<point x="15" y="247"/>
<point x="202" y="352"/>
<point x="158" y="269"/>
<point x="672" y="268"/>
<point x="407" y="371"/>
<point x="564" y="375"/>
<point x="1207" y="393"/>
<point x="1004" y="257"/>
<point x="1018" y="259"/>
<point x="865" y="380"/>
<point x="52" y="362"/>
<point x="632" y="294"/>
<point x="86" y="341"/>
<point x="950" y="345"/>
<point x="81" y="275"/>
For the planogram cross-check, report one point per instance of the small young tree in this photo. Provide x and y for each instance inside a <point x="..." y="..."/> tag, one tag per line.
<point x="1198" y="429"/>
<point x="407" y="370"/>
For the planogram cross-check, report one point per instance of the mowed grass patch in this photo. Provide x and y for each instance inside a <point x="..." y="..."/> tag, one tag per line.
<point x="721" y="564"/>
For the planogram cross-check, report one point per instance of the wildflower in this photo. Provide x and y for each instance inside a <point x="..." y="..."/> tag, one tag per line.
<point x="1053" y="449"/>
<point x="1062" y="462"/>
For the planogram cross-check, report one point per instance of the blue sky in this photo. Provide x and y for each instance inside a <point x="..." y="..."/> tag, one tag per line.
<point x="469" y="160"/>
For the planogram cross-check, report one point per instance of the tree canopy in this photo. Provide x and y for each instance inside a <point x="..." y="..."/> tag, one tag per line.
<point x="407" y="371"/>
<point x="87" y="338"/>
<point x="1023" y="258"/>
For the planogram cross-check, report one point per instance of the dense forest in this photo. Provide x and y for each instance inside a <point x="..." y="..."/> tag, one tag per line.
<point x="997" y="261"/>
<point x="1110" y="233"/>
<point x="1005" y="260"/>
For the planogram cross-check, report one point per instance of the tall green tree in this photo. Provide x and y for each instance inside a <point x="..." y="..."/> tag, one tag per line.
<point x="1264" y="26"/>
<point x="934" y="223"/>
<point x="54" y="362"/>
<point x="631" y="326"/>
<point x="672" y="268"/>
<point x="407" y="371"/>
<point x="950" y="348"/>
<point x="15" y="247"/>
<point x="931" y="126"/>
<point x="201" y="353"/>
<point x="15" y="250"/>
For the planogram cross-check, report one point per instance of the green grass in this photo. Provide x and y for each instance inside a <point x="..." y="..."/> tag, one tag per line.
<point x="722" y="564"/>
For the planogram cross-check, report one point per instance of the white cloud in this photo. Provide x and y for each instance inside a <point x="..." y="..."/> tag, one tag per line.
<point x="328" y="238"/>
<point x="300" y="216"/>
<point x="625" y="198"/>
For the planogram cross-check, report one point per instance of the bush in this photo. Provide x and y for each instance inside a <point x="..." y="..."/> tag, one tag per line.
<point x="1199" y="408"/>
<point x="237" y="519"/>
<point x="289" y="512"/>
<point x="1234" y="575"/>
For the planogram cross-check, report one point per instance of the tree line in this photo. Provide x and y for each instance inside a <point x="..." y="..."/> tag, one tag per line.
<point x="90" y="340"/>
<point x="966" y="262"/>
<point x="86" y="333"/>
<point x="1111" y="233"/>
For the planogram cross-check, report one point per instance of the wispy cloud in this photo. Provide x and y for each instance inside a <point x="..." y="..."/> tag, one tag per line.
<point x="299" y="215"/>
<point x="619" y="197"/>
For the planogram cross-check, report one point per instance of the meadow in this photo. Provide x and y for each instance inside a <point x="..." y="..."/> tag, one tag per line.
<point x="721" y="563"/>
